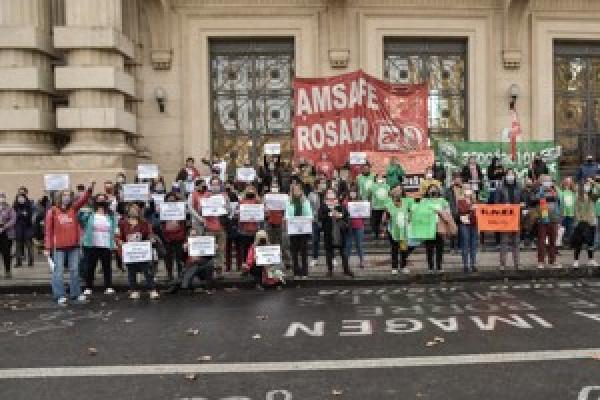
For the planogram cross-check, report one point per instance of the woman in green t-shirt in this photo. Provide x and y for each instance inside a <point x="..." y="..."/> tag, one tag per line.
<point x="567" y="200"/>
<point x="379" y="198"/>
<point x="397" y="214"/>
<point x="436" y="245"/>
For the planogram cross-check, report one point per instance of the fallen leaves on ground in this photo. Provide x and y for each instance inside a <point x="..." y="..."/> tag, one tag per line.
<point x="128" y="320"/>
<point x="257" y="336"/>
<point x="204" y="358"/>
<point x="190" y="377"/>
<point x="337" y="392"/>
<point x="262" y="317"/>
<point x="192" y="332"/>
<point x="92" y="351"/>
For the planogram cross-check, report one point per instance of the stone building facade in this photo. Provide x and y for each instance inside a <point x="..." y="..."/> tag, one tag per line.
<point x="80" y="79"/>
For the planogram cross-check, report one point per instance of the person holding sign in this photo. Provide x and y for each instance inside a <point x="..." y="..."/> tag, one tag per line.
<point x="61" y="242"/>
<point x="133" y="229"/>
<point x="467" y="228"/>
<point x="357" y="229"/>
<point x="214" y="225"/>
<point x="99" y="233"/>
<point x="195" y="266"/>
<point x="365" y="180"/>
<point x="247" y="229"/>
<point x="298" y="206"/>
<point x="174" y="236"/>
<point x="269" y="173"/>
<point x="547" y="218"/>
<point x="274" y="221"/>
<point x="335" y="220"/>
<point x="259" y="271"/>
<point x="509" y="192"/>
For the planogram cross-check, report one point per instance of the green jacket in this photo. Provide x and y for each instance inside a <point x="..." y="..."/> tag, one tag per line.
<point x="86" y="219"/>
<point x="568" y="199"/>
<point x="306" y="209"/>
<point x="364" y="185"/>
<point x="398" y="225"/>
<point x="394" y="175"/>
<point x="379" y="195"/>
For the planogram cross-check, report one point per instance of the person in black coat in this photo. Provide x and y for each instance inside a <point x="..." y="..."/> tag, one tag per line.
<point x="335" y="221"/>
<point x="24" y="229"/>
<point x="509" y="192"/>
<point x="537" y="169"/>
<point x="471" y="174"/>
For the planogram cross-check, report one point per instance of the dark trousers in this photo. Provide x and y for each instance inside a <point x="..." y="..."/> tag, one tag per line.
<point x="143" y="267"/>
<point x="244" y="243"/>
<point x="584" y="235"/>
<point x="330" y="254"/>
<point x="230" y="243"/>
<point x="436" y="246"/>
<point x="376" y="218"/>
<point x="93" y="255"/>
<point x="257" y="274"/>
<point x="5" y="250"/>
<point x="547" y="231"/>
<point x="298" y="248"/>
<point x="23" y="246"/>
<point x="173" y="254"/>
<point x="397" y="253"/>
<point x="204" y="270"/>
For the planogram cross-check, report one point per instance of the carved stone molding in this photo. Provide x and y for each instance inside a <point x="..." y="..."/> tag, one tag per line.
<point x="514" y="14"/>
<point x="159" y="21"/>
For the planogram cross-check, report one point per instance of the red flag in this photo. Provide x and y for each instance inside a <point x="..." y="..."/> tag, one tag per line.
<point x="515" y="130"/>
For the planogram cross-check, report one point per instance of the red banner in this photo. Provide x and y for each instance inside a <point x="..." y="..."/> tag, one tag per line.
<point x="357" y="112"/>
<point x="413" y="163"/>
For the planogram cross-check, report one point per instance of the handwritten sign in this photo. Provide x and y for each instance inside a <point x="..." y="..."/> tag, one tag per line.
<point x="359" y="209"/>
<point x="136" y="192"/>
<point x="201" y="246"/>
<point x="268" y="255"/>
<point x="213" y="206"/>
<point x="189" y="186"/>
<point x="498" y="217"/>
<point x="246" y="174"/>
<point x="147" y="171"/>
<point x="55" y="182"/>
<point x="272" y="148"/>
<point x="135" y="252"/>
<point x="276" y="201"/>
<point x="299" y="225"/>
<point x="252" y="212"/>
<point x="358" y="158"/>
<point x="172" y="211"/>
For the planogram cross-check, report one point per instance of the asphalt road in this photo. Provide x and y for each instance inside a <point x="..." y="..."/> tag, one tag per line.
<point x="465" y="341"/>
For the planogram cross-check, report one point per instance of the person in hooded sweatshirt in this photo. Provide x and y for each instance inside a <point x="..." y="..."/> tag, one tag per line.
<point x="61" y="241"/>
<point x="24" y="209"/>
<point x="8" y="218"/>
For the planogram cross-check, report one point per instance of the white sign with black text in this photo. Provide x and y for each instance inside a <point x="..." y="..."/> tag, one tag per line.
<point x="358" y="158"/>
<point x="172" y="211"/>
<point x="359" y="209"/>
<point x="147" y="171"/>
<point x="246" y="174"/>
<point x="276" y="201"/>
<point x="299" y="225"/>
<point x="54" y="182"/>
<point x="201" y="246"/>
<point x="252" y="212"/>
<point x="268" y="255"/>
<point x="136" y="252"/>
<point x="272" y="149"/>
<point x="136" y="192"/>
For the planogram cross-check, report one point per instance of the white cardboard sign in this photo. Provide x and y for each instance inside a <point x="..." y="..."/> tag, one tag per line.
<point x="201" y="246"/>
<point x="246" y="174"/>
<point x="358" y="158"/>
<point x="134" y="252"/>
<point x="299" y="225"/>
<point x="268" y="255"/>
<point x="136" y="192"/>
<point x="53" y="182"/>
<point x="172" y="211"/>
<point x="276" y="201"/>
<point x="147" y="171"/>
<point x="252" y="212"/>
<point x="272" y="148"/>
<point x="359" y="209"/>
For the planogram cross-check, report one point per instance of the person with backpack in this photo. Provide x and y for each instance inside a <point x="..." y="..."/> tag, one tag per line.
<point x="61" y="242"/>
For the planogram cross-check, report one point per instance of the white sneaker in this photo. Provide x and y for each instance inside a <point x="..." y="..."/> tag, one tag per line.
<point x="109" y="291"/>
<point x="394" y="272"/>
<point x="314" y="262"/>
<point x="154" y="295"/>
<point x="334" y="262"/>
<point x="133" y="295"/>
<point x="540" y="266"/>
<point x="62" y="301"/>
<point x="405" y="271"/>
<point x="82" y="298"/>
<point x="305" y="277"/>
<point x="556" y="266"/>
<point x="592" y="263"/>
<point x="87" y="292"/>
<point x="575" y="264"/>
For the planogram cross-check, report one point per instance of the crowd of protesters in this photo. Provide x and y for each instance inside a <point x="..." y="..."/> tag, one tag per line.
<point x="81" y="228"/>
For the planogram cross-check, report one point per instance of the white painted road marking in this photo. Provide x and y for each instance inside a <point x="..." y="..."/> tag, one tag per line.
<point x="295" y="366"/>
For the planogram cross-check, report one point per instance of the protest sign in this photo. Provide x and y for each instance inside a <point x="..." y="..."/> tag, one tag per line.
<point x="134" y="252"/>
<point x="498" y="217"/>
<point x="53" y="182"/>
<point x="201" y="246"/>
<point x="359" y="209"/>
<point x="252" y="212"/>
<point x="213" y="206"/>
<point x="272" y="148"/>
<point x="268" y="255"/>
<point x="357" y="112"/>
<point x="172" y="211"/>
<point x="423" y="222"/>
<point x="276" y="201"/>
<point x="357" y="158"/>
<point x="299" y="225"/>
<point x="136" y="192"/>
<point x="246" y="174"/>
<point x="189" y="186"/>
<point x="147" y="171"/>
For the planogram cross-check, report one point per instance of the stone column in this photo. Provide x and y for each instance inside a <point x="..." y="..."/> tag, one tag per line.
<point x="26" y="111"/>
<point x="98" y="85"/>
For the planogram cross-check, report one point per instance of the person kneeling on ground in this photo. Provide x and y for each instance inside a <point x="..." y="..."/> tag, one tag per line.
<point x="202" y="267"/>
<point x="263" y="275"/>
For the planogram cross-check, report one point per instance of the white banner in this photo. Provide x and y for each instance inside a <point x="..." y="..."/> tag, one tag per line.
<point x="147" y="171"/>
<point x="252" y="212"/>
<point x="54" y="182"/>
<point x="135" y="252"/>
<point x="358" y="158"/>
<point x="359" y="209"/>
<point x="136" y="192"/>
<point x="276" y="201"/>
<point x="268" y="255"/>
<point x="299" y="225"/>
<point x="272" y="148"/>
<point x="201" y="246"/>
<point x="172" y="211"/>
<point x="246" y="174"/>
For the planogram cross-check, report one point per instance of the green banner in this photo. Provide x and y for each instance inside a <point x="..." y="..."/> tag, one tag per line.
<point x="454" y="155"/>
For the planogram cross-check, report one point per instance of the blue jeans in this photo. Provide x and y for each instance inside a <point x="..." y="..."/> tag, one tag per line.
<point x="358" y="236"/>
<point x="468" y="245"/>
<point x="568" y="223"/>
<point x="58" y="286"/>
<point x="316" y="240"/>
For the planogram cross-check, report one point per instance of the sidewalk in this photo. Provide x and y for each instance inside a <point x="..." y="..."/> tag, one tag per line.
<point x="378" y="272"/>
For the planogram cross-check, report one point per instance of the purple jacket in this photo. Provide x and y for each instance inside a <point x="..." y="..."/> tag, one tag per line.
<point x="8" y="217"/>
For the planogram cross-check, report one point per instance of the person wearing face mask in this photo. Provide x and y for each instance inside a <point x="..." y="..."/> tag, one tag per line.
<point x="100" y="228"/>
<point x="537" y="169"/>
<point x="61" y="241"/>
<point x="567" y="198"/>
<point x="201" y="267"/>
<point x="495" y="175"/>
<point x="173" y="233"/>
<point x="379" y="197"/>
<point x="214" y="225"/>
<point x="275" y="224"/>
<point x="397" y="216"/>
<point x="471" y="174"/>
<point x="428" y="182"/>
<point x="315" y="197"/>
<point x="334" y="218"/>
<point x="394" y="173"/>
<point x="437" y="206"/>
<point x="528" y="213"/>
<point x="588" y="169"/>
<point x="260" y="272"/>
<point x="8" y="218"/>
<point x="365" y="180"/>
<point x="547" y="218"/>
<point x="356" y="231"/>
<point x="247" y="229"/>
<point x="585" y="224"/>
<point x="23" y="229"/>
<point x="509" y="192"/>
<point x="133" y="228"/>
<point x="467" y="228"/>
<point x="298" y="206"/>
<point x="452" y="194"/>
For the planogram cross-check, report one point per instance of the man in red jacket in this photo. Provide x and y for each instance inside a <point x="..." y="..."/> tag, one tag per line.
<point x="61" y="240"/>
